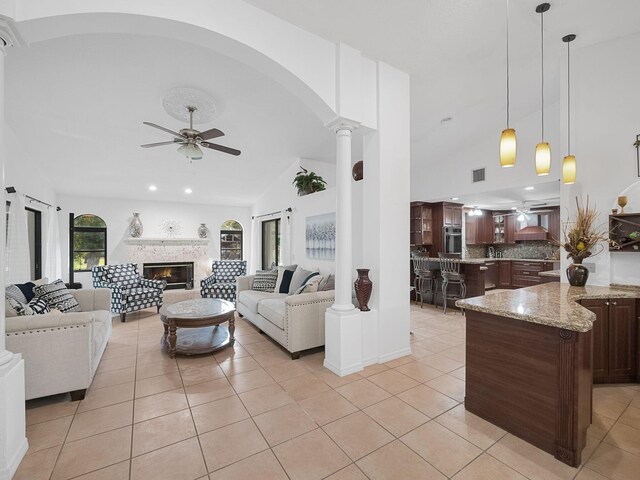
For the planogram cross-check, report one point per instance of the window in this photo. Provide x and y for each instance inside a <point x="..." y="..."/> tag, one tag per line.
<point x="88" y="235"/>
<point x="230" y="240"/>
<point x="34" y="229"/>
<point x="270" y="243"/>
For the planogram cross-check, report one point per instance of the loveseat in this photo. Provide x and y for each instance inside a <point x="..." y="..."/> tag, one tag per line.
<point x="294" y="321"/>
<point x="62" y="351"/>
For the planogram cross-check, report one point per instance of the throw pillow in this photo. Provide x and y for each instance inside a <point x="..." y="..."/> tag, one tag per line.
<point x="300" y="277"/>
<point x="38" y="306"/>
<point x="265" y="280"/>
<point x="13" y="291"/>
<point x="12" y="307"/>
<point x="311" y="285"/>
<point x="328" y="283"/>
<point x="285" y="274"/>
<point x="26" y="289"/>
<point x="35" y="307"/>
<point x="57" y="296"/>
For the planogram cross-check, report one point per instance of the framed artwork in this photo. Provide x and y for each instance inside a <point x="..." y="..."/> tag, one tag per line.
<point x="320" y="236"/>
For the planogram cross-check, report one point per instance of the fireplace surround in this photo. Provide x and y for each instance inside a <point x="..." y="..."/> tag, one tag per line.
<point x="176" y="274"/>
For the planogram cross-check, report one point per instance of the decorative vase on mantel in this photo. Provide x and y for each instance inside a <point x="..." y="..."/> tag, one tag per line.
<point x="135" y="226"/>
<point x="203" y="231"/>
<point x="577" y="274"/>
<point x="363" y="287"/>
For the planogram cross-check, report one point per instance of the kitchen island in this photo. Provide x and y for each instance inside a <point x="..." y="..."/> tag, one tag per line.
<point x="529" y="363"/>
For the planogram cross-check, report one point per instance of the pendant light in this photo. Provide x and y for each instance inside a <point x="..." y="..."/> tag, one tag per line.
<point x="543" y="150"/>
<point x="569" y="162"/>
<point x="508" y="137"/>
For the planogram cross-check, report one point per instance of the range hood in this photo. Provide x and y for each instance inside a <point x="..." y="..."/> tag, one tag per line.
<point x="531" y="233"/>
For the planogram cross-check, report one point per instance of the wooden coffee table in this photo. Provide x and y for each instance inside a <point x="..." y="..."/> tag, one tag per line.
<point x="200" y="323"/>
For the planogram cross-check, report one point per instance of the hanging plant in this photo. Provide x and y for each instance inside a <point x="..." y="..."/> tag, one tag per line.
<point x="308" y="182"/>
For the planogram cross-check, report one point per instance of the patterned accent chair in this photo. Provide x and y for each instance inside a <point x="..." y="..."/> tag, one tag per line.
<point x="129" y="291"/>
<point x="222" y="282"/>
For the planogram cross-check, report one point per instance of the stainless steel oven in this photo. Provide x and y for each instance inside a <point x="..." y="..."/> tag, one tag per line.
<point x="452" y="240"/>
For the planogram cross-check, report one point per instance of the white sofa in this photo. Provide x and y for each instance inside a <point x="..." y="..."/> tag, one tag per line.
<point x="294" y="321"/>
<point x="62" y="351"/>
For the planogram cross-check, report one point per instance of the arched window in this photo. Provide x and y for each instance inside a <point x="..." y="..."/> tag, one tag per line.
<point x="231" y="240"/>
<point x="88" y="242"/>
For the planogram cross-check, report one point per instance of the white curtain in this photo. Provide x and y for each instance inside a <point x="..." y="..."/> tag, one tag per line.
<point x="285" y="238"/>
<point x="52" y="255"/>
<point x="18" y="257"/>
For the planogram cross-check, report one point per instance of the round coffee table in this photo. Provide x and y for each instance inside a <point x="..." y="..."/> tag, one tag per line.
<point x="200" y="323"/>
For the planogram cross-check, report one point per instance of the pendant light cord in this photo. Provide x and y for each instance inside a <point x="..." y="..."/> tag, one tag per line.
<point x="542" y="69"/>
<point x="507" y="63"/>
<point x="569" y="98"/>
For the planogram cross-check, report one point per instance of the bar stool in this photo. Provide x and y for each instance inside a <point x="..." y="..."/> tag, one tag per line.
<point x="450" y="273"/>
<point x="424" y="279"/>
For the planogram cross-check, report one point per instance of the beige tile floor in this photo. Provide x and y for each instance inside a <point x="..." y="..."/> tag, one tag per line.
<point x="252" y="413"/>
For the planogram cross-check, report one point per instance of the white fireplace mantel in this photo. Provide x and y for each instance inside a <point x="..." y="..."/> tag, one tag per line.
<point x="166" y="241"/>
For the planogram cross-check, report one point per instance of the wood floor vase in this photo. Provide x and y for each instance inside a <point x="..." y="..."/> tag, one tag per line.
<point x="363" y="287"/>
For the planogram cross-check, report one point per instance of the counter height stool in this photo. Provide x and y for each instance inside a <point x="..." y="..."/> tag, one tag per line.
<point x="424" y="278"/>
<point x="450" y="273"/>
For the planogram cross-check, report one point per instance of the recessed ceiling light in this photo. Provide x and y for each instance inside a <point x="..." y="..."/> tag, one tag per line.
<point x="152" y="188"/>
<point x="454" y="198"/>
<point x="514" y="208"/>
<point x="188" y="191"/>
<point x="529" y="188"/>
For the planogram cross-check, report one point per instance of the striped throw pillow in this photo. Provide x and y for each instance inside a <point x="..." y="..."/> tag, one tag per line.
<point x="265" y="280"/>
<point x="56" y="295"/>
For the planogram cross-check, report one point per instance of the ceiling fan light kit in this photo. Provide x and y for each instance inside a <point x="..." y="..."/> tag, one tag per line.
<point x="190" y="140"/>
<point x="508" y="137"/>
<point x="543" y="150"/>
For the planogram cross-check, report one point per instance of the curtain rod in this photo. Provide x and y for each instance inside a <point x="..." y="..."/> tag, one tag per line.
<point x="33" y="199"/>
<point x="272" y="213"/>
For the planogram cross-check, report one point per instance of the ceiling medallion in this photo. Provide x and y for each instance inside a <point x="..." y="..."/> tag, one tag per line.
<point x="176" y="99"/>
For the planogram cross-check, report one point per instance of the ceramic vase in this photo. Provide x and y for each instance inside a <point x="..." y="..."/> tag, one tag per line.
<point x="357" y="171"/>
<point x="363" y="287"/>
<point x="203" y="231"/>
<point x="135" y="226"/>
<point x="577" y="274"/>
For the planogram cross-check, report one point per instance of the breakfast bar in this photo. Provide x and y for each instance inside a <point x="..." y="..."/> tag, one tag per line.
<point x="529" y="365"/>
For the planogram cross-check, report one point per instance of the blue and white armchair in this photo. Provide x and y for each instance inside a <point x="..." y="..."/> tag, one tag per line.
<point x="222" y="282"/>
<point x="129" y="291"/>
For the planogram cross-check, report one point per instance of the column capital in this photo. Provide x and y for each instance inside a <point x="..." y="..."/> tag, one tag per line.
<point x="341" y="123"/>
<point x="9" y="35"/>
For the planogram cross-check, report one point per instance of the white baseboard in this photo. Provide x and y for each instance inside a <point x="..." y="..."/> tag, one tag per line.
<point x="345" y="371"/>
<point x="392" y="356"/>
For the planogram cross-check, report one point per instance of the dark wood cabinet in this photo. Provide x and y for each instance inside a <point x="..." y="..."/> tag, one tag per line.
<point x="421" y="224"/>
<point x="504" y="274"/>
<point x="479" y="228"/>
<point x="615" y="340"/>
<point x="509" y="229"/>
<point x="526" y="273"/>
<point x="624" y="228"/>
<point x="452" y="215"/>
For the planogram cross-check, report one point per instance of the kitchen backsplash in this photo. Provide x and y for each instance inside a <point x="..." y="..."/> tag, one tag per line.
<point x="532" y="249"/>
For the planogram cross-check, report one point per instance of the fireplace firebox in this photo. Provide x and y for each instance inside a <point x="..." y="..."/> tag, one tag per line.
<point x="176" y="274"/>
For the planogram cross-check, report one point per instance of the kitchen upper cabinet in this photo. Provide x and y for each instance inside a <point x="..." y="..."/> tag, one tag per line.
<point x="509" y="229"/>
<point x="615" y="340"/>
<point x="421" y="224"/>
<point x="452" y="216"/>
<point x="479" y="228"/>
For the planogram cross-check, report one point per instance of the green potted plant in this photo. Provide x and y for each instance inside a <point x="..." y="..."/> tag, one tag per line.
<point x="308" y="182"/>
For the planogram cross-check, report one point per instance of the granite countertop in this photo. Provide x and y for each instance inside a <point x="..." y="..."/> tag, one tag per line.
<point x="549" y="304"/>
<point x="480" y="261"/>
<point x="550" y="273"/>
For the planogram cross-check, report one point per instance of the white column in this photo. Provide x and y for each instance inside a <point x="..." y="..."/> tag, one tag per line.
<point x="343" y="325"/>
<point x="13" y="440"/>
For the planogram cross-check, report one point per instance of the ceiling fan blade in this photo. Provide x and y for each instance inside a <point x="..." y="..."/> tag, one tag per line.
<point x="220" y="148"/>
<point x="209" y="134"/>
<point x="176" y="134"/>
<point x="177" y="141"/>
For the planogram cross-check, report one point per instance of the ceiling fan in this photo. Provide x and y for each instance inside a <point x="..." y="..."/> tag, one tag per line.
<point x="191" y="140"/>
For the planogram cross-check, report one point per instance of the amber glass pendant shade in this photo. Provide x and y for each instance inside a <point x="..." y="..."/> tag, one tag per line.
<point x="543" y="159"/>
<point x="569" y="170"/>
<point x="508" y="148"/>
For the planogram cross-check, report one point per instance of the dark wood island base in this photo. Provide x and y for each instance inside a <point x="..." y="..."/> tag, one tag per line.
<point x="531" y="380"/>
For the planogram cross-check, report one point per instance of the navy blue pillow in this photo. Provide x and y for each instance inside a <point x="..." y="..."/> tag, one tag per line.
<point x="27" y="290"/>
<point x="286" y="281"/>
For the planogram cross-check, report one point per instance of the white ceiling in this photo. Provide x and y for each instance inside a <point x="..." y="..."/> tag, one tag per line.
<point x="104" y="86"/>
<point x="545" y="194"/>
<point x="77" y="105"/>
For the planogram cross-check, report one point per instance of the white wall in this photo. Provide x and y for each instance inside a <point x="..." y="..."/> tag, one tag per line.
<point x="451" y="174"/>
<point x="118" y="212"/>
<point x="605" y="122"/>
<point x="282" y="195"/>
